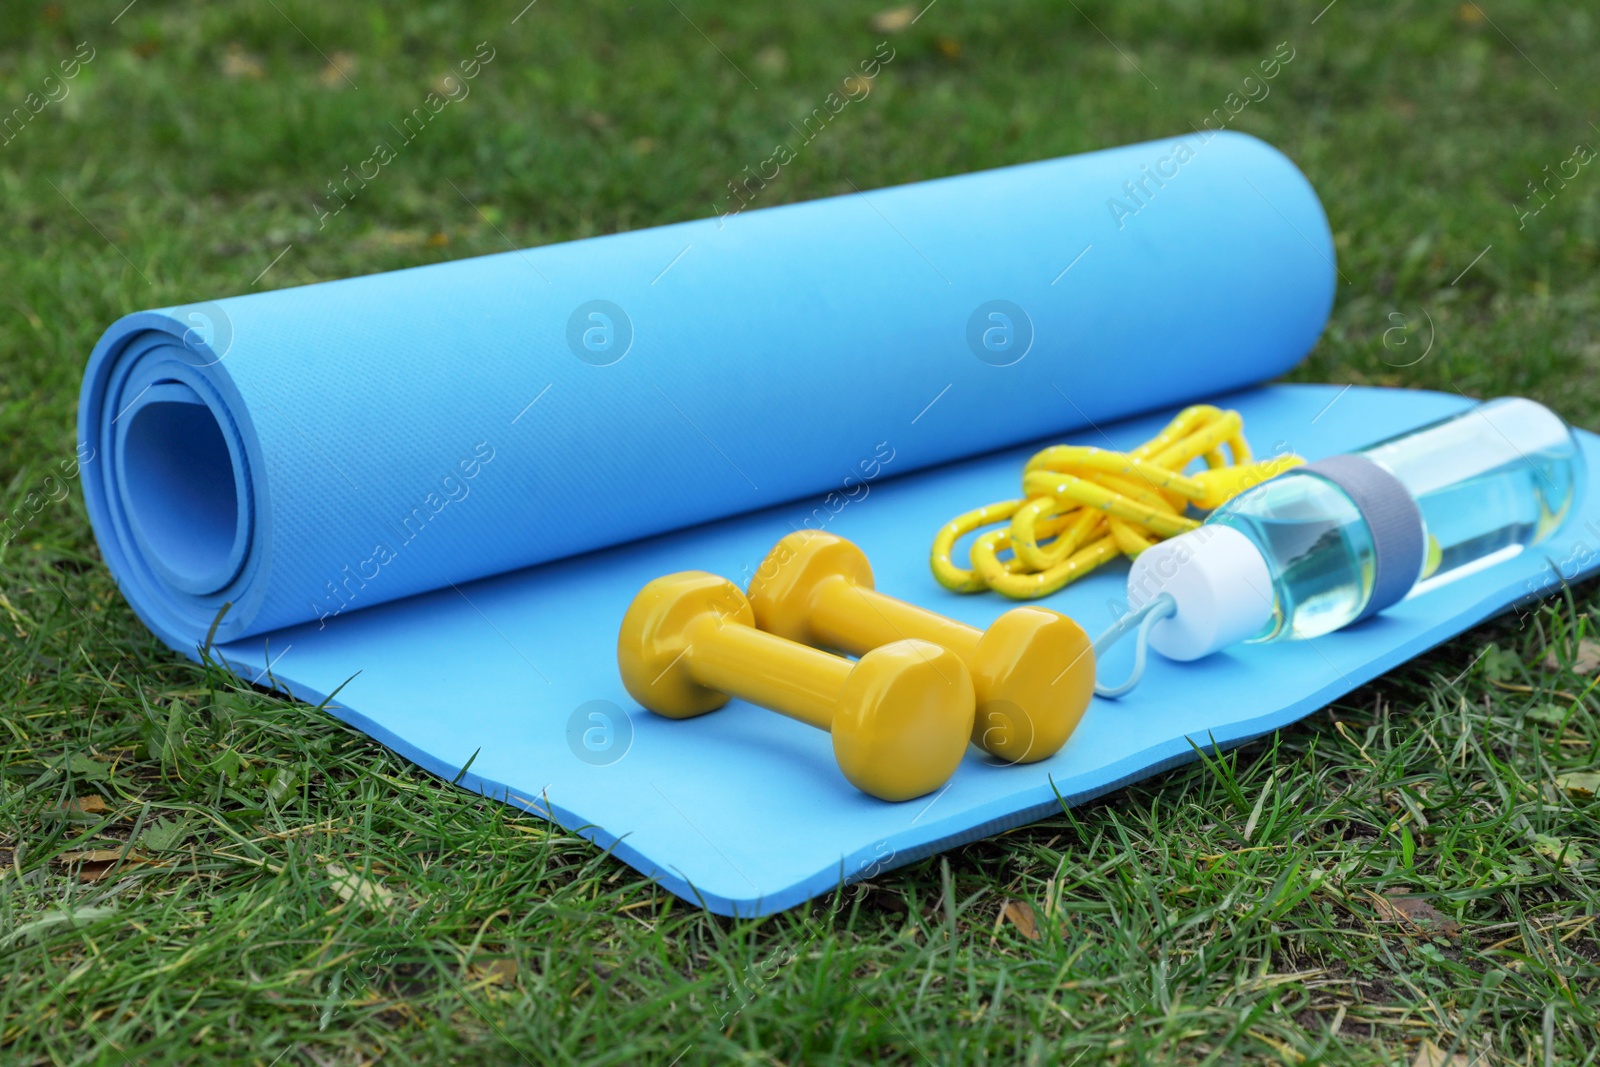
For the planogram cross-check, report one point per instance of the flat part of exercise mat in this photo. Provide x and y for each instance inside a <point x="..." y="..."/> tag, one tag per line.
<point x="745" y="811"/>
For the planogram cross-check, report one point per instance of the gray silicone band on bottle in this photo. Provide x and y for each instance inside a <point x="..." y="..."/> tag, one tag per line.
<point x="1399" y="541"/>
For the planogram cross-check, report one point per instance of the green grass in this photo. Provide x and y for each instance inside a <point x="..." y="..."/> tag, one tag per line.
<point x="1253" y="908"/>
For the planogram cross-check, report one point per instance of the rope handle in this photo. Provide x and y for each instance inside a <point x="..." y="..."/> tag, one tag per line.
<point x="1144" y="617"/>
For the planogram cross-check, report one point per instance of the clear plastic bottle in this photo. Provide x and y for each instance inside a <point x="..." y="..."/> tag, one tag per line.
<point x="1295" y="558"/>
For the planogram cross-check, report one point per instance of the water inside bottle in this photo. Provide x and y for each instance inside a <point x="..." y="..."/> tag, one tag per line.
<point x="1318" y="551"/>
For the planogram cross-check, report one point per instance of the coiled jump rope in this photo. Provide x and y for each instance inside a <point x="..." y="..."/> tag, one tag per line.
<point x="1083" y="507"/>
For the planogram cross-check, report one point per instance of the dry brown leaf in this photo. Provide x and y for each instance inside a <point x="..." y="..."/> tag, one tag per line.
<point x="1583" y="784"/>
<point x="500" y="972"/>
<point x="1557" y="850"/>
<point x="365" y="891"/>
<point x="91" y="865"/>
<point x="772" y="59"/>
<point x="336" y="75"/>
<point x="384" y="238"/>
<point x="93" y="804"/>
<point x="237" y="63"/>
<point x="90" y="855"/>
<point x="894" y="19"/>
<point x="1587" y="661"/>
<point x="1020" y="914"/>
<point x="1431" y="1055"/>
<point x="1415" y="914"/>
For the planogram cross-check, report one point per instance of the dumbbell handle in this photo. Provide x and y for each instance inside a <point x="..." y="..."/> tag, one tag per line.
<point x="848" y="617"/>
<point x="793" y="679"/>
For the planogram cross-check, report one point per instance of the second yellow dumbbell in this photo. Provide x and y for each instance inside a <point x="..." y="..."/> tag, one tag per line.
<point x="1032" y="669"/>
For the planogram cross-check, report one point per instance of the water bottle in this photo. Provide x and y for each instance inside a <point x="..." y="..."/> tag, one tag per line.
<point x="1336" y="541"/>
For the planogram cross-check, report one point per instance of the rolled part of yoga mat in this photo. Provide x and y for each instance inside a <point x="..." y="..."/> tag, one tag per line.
<point x="402" y="488"/>
<point x="283" y="452"/>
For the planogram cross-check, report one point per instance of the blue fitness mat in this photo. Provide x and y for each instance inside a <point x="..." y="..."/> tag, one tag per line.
<point x="440" y="488"/>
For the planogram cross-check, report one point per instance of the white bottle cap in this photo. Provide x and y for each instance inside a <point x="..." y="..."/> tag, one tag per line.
<point x="1221" y="585"/>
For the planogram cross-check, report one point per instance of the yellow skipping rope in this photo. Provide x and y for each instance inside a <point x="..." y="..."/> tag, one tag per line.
<point x="1083" y="506"/>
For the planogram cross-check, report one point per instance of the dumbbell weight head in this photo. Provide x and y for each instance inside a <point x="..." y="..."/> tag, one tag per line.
<point x="656" y="634"/>
<point x="1030" y="658"/>
<point x="782" y="593"/>
<point x="904" y="719"/>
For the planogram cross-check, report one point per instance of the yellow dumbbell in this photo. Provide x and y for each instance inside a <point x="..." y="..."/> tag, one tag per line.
<point x="1033" y="669"/>
<point x="900" y="717"/>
